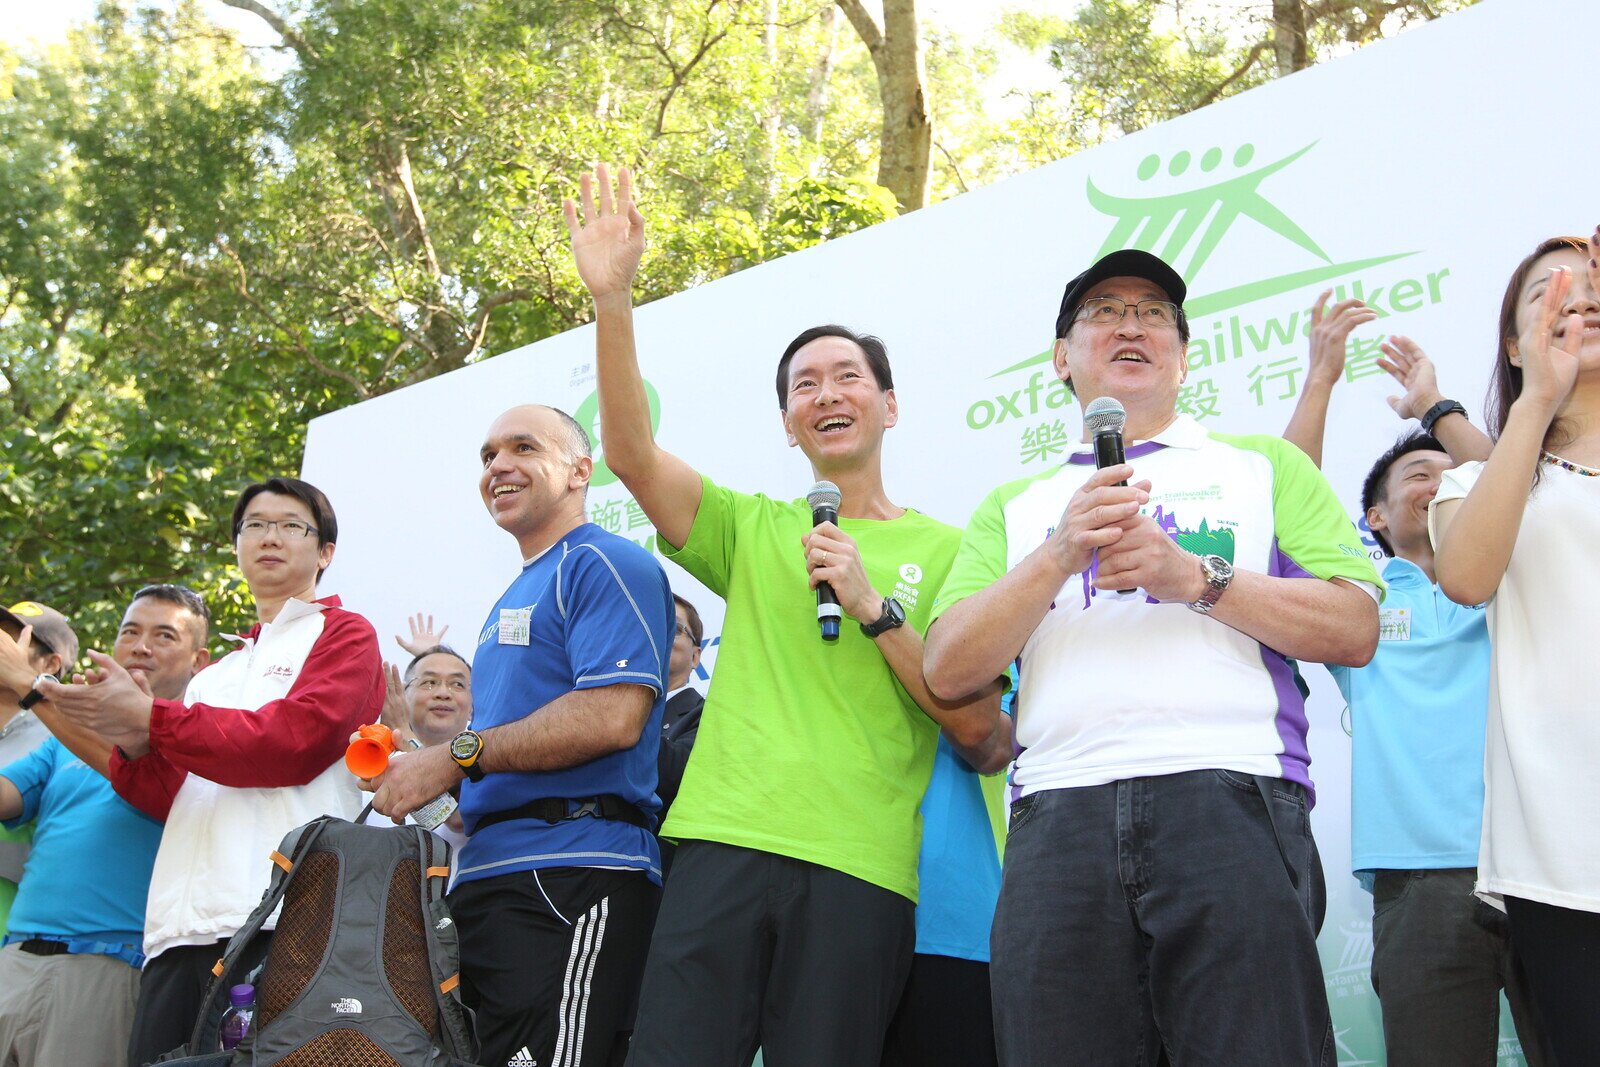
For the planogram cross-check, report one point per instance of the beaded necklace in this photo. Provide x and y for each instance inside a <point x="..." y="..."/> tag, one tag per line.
<point x="1564" y="464"/>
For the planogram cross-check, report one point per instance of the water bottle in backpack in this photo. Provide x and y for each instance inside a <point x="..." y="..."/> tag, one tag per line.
<point x="236" y="1020"/>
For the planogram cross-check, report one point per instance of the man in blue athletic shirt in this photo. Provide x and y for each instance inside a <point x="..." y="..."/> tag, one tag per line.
<point x="559" y="880"/>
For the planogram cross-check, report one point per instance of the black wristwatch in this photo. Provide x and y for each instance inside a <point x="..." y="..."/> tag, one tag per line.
<point x="893" y="617"/>
<point x="1439" y="411"/>
<point x="33" y="696"/>
<point x="465" y="748"/>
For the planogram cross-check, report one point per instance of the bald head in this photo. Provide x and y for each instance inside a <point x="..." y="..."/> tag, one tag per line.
<point x="536" y="468"/>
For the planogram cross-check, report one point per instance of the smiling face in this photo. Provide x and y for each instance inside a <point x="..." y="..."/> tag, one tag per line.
<point x="162" y="641"/>
<point x="439" y="697"/>
<point x="1581" y="300"/>
<point x="532" y="483"/>
<point x="836" y="412"/>
<point x="1128" y="360"/>
<point x="279" y="562"/>
<point x="1401" y="513"/>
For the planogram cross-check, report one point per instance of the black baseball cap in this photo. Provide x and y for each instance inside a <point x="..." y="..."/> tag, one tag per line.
<point x="1126" y="263"/>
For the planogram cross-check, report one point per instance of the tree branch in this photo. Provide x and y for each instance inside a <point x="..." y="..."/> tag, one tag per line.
<point x="866" y="27"/>
<point x="280" y="25"/>
<point x="1249" y="61"/>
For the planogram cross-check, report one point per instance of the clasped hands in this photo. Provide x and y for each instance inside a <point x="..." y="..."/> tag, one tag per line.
<point x="1134" y="552"/>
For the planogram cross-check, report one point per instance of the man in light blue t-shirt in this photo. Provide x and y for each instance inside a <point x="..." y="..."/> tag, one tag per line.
<point x="1418" y="714"/>
<point x="69" y="968"/>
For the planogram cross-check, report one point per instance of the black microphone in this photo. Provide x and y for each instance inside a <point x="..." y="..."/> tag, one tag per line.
<point x="824" y="500"/>
<point x="1104" y="419"/>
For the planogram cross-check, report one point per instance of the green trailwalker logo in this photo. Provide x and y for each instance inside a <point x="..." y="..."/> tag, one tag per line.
<point x="1246" y="350"/>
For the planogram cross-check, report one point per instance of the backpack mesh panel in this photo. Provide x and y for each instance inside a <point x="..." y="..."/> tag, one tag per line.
<point x="405" y="948"/>
<point x="338" y="1048"/>
<point x="301" y="939"/>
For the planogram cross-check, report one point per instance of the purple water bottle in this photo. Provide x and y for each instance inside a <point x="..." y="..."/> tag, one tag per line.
<point x="236" y="1020"/>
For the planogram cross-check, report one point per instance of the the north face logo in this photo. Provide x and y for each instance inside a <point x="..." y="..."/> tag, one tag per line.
<point x="347" y="1006"/>
<point x="523" y="1058"/>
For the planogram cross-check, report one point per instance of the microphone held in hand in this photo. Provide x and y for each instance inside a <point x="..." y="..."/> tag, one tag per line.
<point x="1104" y="419"/>
<point x="824" y="500"/>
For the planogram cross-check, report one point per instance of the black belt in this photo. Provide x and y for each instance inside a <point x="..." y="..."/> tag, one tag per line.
<point x="38" y="947"/>
<point x="559" y="809"/>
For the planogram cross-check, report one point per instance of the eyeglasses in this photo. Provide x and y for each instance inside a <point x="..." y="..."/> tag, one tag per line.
<point x="429" y="685"/>
<point x="686" y="632"/>
<point x="1109" y="311"/>
<point x="256" y="529"/>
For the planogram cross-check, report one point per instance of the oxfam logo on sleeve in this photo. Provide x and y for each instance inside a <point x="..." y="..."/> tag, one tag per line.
<point x="588" y="416"/>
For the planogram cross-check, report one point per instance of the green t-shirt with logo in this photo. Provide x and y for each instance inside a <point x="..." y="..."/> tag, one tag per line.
<point x="808" y="749"/>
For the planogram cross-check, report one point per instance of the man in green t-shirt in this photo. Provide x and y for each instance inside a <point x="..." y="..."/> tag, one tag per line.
<point x="788" y="918"/>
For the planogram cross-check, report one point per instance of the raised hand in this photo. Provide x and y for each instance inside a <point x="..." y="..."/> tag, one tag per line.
<point x="1407" y="364"/>
<point x="395" y="715"/>
<point x="423" y="635"/>
<point x="106" y="700"/>
<point x="1594" y="260"/>
<point x="609" y="240"/>
<point x="1549" y="368"/>
<point x="1331" y="331"/>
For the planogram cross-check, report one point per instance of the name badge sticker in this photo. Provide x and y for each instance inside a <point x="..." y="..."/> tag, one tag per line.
<point x="514" y="625"/>
<point x="1394" y="624"/>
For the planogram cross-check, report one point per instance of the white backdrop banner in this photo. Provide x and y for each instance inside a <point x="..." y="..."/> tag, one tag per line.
<point x="1413" y="174"/>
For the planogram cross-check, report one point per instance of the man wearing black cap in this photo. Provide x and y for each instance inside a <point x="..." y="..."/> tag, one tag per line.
<point x="1161" y="887"/>
<point x="53" y="650"/>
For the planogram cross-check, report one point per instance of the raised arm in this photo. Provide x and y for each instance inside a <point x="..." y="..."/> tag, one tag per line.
<point x="607" y="243"/>
<point x="1473" y="537"/>
<point x="1407" y="364"/>
<point x="1329" y="334"/>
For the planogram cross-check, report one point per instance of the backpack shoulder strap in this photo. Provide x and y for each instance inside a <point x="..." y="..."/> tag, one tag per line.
<point x="296" y="844"/>
<point x="444" y="954"/>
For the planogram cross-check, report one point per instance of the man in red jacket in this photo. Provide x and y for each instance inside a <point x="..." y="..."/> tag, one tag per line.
<point x="254" y="751"/>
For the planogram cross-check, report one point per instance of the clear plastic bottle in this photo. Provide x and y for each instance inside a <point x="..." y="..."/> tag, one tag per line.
<point x="236" y="1020"/>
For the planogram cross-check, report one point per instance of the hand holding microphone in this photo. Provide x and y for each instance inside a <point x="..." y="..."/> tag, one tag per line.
<point x="834" y="564"/>
<point x="1096" y="516"/>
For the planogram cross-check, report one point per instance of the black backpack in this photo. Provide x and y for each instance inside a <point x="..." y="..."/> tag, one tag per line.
<point x="363" y="968"/>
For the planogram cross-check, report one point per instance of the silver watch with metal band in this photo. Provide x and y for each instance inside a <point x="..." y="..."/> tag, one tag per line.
<point x="1218" y="572"/>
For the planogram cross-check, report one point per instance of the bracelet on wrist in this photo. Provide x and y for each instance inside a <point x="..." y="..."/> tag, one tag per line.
<point x="1431" y="417"/>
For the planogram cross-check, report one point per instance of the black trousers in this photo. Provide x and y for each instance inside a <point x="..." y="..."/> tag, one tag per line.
<point x="1560" y="947"/>
<point x="171" y="989"/>
<point x="944" y="1018"/>
<point x="757" y="949"/>
<point x="551" y="960"/>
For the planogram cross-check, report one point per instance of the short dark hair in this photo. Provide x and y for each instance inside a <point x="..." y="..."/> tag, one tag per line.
<point x="436" y="650"/>
<point x="1376" y="486"/>
<point x="871" y="347"/>
<point x="185" y="598"/>
<point x="578" y="438"/>
<point x="696" y="627"/>
<point x="315" y="500"/>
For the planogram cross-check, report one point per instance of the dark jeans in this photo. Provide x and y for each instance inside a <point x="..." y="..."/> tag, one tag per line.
<point x="753" y="948"/>
<point x="1440" y="957"/>
<point x="1177" y="911"/>
<point x="1561" y="949"/>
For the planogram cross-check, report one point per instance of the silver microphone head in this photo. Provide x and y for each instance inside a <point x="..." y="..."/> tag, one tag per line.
<point x="1104" y="415"/>
<point x="824" y="494"/>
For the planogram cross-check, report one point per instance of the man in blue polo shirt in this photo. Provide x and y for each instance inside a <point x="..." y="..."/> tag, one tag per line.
<point x="1417" y="720"/>
<point x="69" y="971"/>
<point x="559" y="880"/>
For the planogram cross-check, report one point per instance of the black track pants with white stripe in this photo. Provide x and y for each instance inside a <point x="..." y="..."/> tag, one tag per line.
<point x="551" y="961"/>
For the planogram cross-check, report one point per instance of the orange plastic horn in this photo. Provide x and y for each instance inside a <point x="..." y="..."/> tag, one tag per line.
<point x="368" y="755"/>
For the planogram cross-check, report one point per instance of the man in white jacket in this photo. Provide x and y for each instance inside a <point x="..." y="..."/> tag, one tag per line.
<point x="254" y="751"/>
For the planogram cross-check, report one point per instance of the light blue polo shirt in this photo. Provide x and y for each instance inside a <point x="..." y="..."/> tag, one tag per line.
<point x="1418" y="713"/>
<point x="89" y="873"/>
